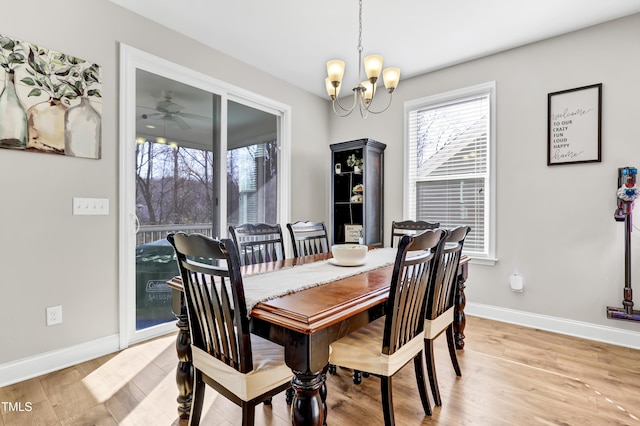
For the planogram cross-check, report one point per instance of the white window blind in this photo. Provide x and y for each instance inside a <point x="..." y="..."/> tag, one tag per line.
<point x="448" y="178"/>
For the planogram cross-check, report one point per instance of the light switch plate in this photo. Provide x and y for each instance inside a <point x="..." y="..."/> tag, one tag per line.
<point x="90" y="206"/>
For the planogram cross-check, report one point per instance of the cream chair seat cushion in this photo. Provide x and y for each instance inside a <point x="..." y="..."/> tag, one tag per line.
<point x="432" y="328"/>
<point x="269" y="369"/>
<point x="362" y="350"/>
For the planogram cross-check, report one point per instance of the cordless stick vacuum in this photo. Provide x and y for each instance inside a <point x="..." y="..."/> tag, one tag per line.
<point x="627" y="193"/>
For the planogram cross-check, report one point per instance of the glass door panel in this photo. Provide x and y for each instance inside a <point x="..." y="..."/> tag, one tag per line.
<point x="177" y="144"/>
<point x="252" y="166"/>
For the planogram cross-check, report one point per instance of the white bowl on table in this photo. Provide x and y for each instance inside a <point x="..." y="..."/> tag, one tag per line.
<point x="349" y="254"/>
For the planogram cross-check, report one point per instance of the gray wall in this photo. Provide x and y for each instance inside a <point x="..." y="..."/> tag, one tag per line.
<point x="51" y="257"/>
<point x="555" y="224"/>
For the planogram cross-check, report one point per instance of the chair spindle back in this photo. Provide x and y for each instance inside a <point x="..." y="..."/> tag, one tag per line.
<point x="214" y="296"/>
<point x="409" y="227"/>
<point x="308" y="238"/>
<point x="413" y="270"/>
<point x="443" y="292"/>
<point x="258" y="242"/>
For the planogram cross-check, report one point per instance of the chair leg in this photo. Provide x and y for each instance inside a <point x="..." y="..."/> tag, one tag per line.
<point x="452" y="350"/>
<point x="357" y="377"/>
<point x="248" y="413"/>
<point x="422" y="387"/>
<point x="431" y="371"/>
<point x="332" y="369"/>
<point x="289" y="393"/>
<point x="197" y="399"/>
<point x="387" y="401"/>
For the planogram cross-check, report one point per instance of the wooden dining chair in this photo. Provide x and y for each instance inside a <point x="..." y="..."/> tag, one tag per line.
<point x="258" y="242"/>
<point x="409" y="227"/>
<point x="440" y="305"/>
<point x="240" y="366"/>
<point x="385" y="345"/>
<point x="308" y="238"/>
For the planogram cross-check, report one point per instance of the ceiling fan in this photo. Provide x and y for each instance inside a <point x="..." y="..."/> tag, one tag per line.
<point x="172" y="112"/>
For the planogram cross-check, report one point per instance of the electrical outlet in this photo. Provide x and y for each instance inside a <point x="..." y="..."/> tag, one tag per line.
<point x="54" y="315"/>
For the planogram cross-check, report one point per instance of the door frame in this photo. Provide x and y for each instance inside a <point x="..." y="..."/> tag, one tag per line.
<point x="132" y="59"/>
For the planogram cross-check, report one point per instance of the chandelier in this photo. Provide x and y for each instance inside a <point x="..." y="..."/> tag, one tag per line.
<point x="365" y="91"/>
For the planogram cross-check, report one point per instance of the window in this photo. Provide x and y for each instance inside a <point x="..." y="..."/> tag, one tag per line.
<point x="252" y="189"/>
<point x="449" y="177"/>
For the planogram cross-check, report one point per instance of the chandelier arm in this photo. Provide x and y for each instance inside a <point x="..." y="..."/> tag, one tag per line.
<point x="339" y="113"/>
<point x="349" y="109"/>
<point x="382" y="110"/>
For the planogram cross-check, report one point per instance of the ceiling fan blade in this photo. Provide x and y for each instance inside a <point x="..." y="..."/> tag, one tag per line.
<point x="194" y="116"/>
<point x="153" y="114"/>
<point x="179" y="121"/>
<point x="168" y="106"/>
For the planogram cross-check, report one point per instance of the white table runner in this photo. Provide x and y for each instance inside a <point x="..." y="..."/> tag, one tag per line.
<point x="270" y="285"/>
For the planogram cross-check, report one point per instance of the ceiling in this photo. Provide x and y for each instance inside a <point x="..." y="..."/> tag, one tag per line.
<point x="293" y="39"/>
<point x="184" y="114"/>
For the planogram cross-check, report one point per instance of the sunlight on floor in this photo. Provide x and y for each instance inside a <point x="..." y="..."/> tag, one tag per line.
<point x="133" y="375"/>
<point x="108" y="379"/>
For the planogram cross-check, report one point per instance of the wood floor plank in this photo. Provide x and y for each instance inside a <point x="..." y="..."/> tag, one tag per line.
<point x="511" y="375"/>
<point x="42" y="413"/>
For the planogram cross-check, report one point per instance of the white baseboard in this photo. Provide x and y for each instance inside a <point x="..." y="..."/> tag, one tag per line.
<point x="37" y="365"/>
<point x="599" y="333"/>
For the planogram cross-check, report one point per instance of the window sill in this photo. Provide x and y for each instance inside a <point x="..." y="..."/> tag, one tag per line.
<point x="486" y="261"/>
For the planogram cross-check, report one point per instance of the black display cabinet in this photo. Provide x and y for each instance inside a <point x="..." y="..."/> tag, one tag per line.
<point x="357" y="192"/>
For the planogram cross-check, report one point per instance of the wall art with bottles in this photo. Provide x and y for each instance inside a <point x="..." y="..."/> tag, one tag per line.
<point x="50" y="102"/>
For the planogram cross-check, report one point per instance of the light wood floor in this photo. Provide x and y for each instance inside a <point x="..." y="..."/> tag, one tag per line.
<point x="511" y="376"/>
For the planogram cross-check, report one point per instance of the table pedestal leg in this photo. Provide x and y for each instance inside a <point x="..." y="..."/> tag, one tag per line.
<point x="184" y="372"/>
<point x="308" y="407"/>
<point x="459" y="319"/>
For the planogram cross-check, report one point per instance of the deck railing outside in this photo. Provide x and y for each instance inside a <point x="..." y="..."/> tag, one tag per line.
<point x="150" y="233"/>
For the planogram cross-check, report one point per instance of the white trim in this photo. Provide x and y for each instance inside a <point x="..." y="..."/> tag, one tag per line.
<point x="37" y="365"/>
<point x="486" y="261"/>
<point x="584" y="330"/>
<point x="490" y="200"/>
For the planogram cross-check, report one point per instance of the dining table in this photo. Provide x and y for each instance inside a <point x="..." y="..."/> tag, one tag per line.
<point x="305" y="322"/>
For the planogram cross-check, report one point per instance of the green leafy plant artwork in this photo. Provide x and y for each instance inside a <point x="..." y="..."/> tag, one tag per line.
<point x="51" y="101"/>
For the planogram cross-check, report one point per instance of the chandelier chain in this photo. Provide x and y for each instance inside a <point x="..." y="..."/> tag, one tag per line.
<point x="360" y="49"/>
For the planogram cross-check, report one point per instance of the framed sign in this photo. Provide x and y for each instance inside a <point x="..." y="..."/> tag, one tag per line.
<point x="574" y="126"/>
<point x="352" y="233"/>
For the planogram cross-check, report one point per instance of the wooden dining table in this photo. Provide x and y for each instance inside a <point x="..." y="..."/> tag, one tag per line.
<point x="305" y="323"/>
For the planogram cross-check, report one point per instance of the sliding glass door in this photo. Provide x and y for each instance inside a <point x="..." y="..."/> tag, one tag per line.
<point x="195" y="158"/>
<point x="177" y="144"/>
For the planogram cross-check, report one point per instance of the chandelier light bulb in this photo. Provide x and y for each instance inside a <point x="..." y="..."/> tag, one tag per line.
<point x="332" y="91"/>
<point x="367" y="95"/>
<point x="335" y="71"/>
<point x="391" y="77"/>
<point x="373" y="67"/>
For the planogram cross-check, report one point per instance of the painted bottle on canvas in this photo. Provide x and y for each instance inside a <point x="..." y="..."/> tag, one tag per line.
<point x="13" y="117"/>
<point x="82" y="130"/>
<point x="46" y="126"/>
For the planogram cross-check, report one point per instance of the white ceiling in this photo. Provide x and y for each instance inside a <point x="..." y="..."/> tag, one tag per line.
<point x="293" y="39"/>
